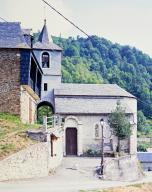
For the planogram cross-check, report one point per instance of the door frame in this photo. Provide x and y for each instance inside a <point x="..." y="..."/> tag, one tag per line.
<point x="76" y="140"/>
<point x="73" y="121"/>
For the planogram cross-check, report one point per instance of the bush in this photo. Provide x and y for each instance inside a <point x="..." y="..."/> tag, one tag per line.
<point x="142" y="147"/>
<point x="92" y="153"/>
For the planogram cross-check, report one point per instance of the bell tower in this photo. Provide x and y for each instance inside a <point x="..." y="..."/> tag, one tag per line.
<point x="48" y="55"/>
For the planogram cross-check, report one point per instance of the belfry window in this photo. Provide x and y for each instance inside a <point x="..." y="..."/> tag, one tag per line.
<point x="45" y="60"/>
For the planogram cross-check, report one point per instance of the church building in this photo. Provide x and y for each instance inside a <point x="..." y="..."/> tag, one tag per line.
<point x="30" y="76"/>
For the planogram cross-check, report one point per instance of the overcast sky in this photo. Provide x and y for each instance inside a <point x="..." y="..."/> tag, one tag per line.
<point x="122" y="21"/>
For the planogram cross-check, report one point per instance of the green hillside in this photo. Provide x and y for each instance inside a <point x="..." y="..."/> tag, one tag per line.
<point x="13" y="136"/>
<point x="98" y="60"/>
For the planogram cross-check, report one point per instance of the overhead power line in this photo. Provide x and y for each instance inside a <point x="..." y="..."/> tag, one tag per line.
<point x="146" y="104"/>
<point x="3" y="19"/>
<point x="72" y="23"/>
<point x="66" y="18"/>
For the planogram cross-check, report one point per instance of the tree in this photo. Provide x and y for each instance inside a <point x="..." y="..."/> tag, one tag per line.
<point x="44" y="110"/>
<point x="120" y="124"/>
<point x="141" y="121"/>
<point x="126" y="66"/>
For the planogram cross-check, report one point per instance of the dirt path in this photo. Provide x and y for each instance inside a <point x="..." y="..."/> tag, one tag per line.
<point x="75" y="174"/>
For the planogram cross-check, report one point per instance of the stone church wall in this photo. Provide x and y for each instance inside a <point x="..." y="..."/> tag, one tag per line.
<point x="90" y="141"/>
<point x="86" y="126"/>
<point x="10" y="81"/>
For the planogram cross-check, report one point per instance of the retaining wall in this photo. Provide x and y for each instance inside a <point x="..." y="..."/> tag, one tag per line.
<point x="125" y="168"/>
<point x="35" y="161"/>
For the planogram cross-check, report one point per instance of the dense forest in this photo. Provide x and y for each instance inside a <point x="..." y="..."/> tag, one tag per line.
<point x="97" y="60"/>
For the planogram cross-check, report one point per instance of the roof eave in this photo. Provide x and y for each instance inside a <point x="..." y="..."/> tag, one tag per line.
<point x="48" y="49"/>
<point x="15" y="48"/>
<point x="104" y="96"/>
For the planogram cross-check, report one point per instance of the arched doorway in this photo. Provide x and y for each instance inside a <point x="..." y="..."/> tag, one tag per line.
<point x="44" y="109"/>
<point x="71" y="141"/>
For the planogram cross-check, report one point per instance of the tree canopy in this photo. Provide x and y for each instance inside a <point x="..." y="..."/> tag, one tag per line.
<point x="120" y="124"/>
<point x="98" y="60"/>
<point x="141" y="119"/>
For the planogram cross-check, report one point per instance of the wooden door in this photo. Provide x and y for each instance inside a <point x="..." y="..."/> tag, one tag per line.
<point x="71" y="141"/>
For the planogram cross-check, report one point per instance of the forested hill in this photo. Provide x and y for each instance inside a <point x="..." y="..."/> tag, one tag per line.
<point x="98" y="60"/>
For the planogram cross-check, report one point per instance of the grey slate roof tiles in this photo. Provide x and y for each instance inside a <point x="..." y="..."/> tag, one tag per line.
<point x="43" y="37"/>
<point x="11" y="35"/>
<point x="44" y="42"/>
<point x="90" y="98"/>
<point x="92" y="90"/>
<point x="48" y="46"/>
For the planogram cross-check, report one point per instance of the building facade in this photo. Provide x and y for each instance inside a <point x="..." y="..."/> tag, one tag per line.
<point x="31" y="77"/>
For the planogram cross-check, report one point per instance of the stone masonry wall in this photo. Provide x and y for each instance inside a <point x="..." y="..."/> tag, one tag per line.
<point x="125" y="168"/>
<point x="10" y="81"/>
<point x="26" y="109"/>
<point x="35" y="161"/>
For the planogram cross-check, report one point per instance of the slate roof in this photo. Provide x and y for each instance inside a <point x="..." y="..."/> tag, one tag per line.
<point x="144" y="157"/>
<point x="109" y="90"/>
<point x="90" y="98"/>
<point x="11" y="35"/>
<point x="44" y="37"/>
<point x="44" y="42"/>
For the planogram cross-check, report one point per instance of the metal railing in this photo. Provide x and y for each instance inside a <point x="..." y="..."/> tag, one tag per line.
<point x="52" y="122"/>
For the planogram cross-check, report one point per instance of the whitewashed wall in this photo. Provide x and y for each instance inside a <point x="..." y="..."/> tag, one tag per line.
<point x="85" y="125"/>
<point x="52" y="82"/>
<point x="51" y="75"/>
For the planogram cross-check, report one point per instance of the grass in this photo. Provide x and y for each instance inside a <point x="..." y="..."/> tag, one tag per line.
<point x="13" y="134"/>
<point x="148" y="130"/>
<point x="142" y="187"/>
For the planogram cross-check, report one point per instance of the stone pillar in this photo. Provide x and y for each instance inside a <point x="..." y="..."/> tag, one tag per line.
<point x="64" y="142"/>
<point x="48" y="143"/>
<point x="133" y="141"/>
<point x="133" y="137"/>
<point x="80" y="140"/>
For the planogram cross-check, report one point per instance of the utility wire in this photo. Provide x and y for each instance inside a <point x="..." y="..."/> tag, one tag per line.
<point x="139" y="100"/>
<point x="66" y="18"/>
<point x="3" y="19"/>
<point x="78" y="29"/>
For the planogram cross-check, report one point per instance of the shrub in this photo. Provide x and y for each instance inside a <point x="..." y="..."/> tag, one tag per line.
<point x="142" y="147"/>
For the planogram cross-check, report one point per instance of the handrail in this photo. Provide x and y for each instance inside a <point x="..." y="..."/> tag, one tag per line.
<point x="54" y="121"/>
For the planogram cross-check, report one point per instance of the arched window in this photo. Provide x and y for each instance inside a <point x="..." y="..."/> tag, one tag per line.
<point x="97" y="131"/>
<point x="45" y="60"/>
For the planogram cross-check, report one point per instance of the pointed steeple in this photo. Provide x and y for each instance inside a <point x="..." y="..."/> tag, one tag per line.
<point x="44" y="37"/>
<point x="44" y="42"/>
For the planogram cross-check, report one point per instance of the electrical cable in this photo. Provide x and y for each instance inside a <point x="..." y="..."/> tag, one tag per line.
<point x="3" y="19"/>
<point x="66" y="18"/>
<point x="78" y="29"/>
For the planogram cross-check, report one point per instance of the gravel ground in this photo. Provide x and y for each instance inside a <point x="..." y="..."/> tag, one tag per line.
<point x="73" y="175"/>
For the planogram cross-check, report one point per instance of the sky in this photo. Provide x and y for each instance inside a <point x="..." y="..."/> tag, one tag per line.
<point x="127" y="22"/>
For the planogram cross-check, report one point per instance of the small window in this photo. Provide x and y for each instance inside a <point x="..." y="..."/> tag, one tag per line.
<point x="45" y="60"/>
<point x="45" y="87"/>
<point x="97" y="131"/>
